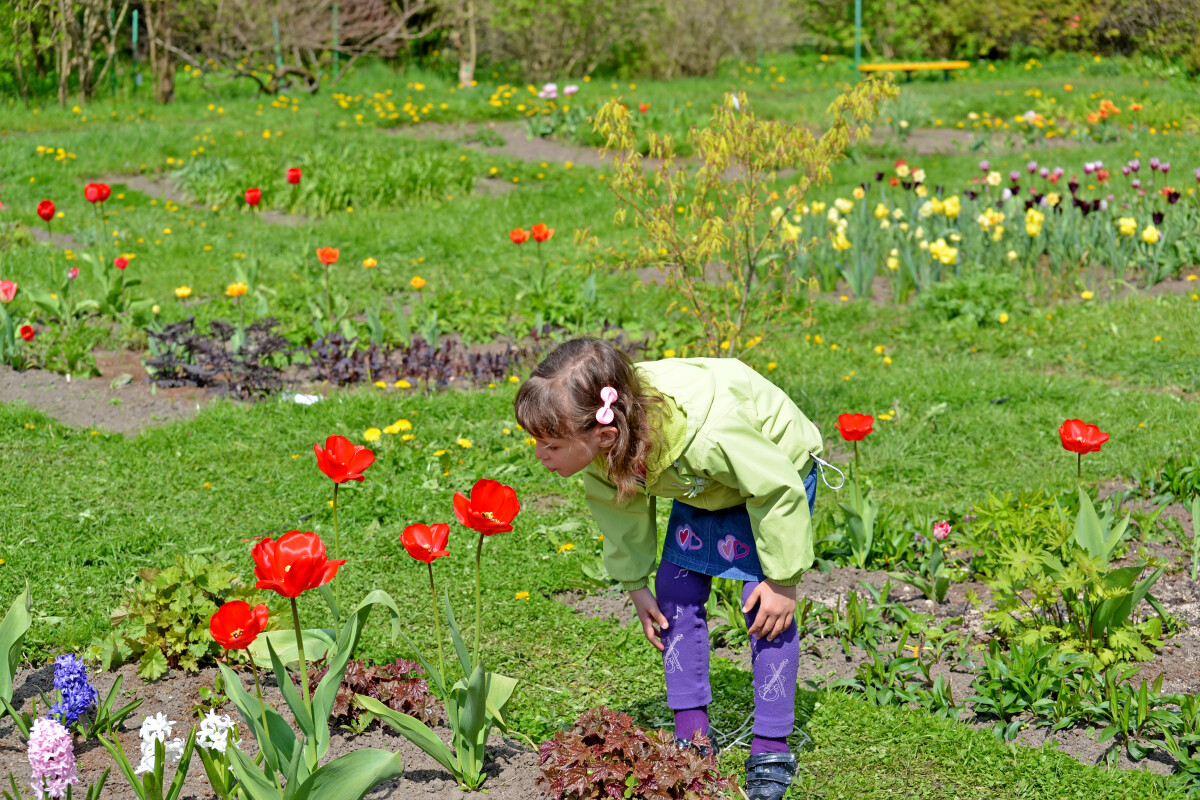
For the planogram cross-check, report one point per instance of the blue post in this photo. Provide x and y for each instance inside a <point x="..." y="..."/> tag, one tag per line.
<point x="857" y="33"/>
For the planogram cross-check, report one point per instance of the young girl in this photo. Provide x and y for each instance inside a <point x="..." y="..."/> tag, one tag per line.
<point x="739" y="461"/>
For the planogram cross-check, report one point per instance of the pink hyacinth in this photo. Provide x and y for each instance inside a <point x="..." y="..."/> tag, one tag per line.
<point x="51" y="759"/>
<point x="941" y="530"/>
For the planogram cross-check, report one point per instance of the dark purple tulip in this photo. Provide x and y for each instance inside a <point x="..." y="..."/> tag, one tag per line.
<point x="1073" y="185"/>
<point x="878" y="176"/>
<point x="1157" y="216"/>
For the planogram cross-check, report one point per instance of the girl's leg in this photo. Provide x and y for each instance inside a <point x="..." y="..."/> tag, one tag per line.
<point x="681" y="595"/>
<point x="776" y="665"/>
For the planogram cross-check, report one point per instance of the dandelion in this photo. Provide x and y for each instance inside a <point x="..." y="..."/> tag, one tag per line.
<point x="1087" y="294"/>
<point x="522" y="595"/>
<point x="372" y="434"/>
<point x="566" y="547"/>
<point x="402" y="384"/>
<point x="1003" y="318"/>
<point x="464" y="443"/>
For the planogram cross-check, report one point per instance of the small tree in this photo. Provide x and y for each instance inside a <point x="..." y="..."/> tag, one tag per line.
<point x="720" y="229"/>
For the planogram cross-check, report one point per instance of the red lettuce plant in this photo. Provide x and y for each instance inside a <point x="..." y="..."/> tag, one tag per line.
<point x="605" y="755"/>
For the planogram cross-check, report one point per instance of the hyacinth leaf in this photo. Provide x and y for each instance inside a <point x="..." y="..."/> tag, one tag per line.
<point x="415" y="731"/>
<point x="352" y="776"/>
<point x="317" y="644"/>
<point x="118" y="753"/>
<point x="283" y="739"/>
<point x="181" y="769"/>
<point x="12" y="638"/>
<point x="214" y="768"/>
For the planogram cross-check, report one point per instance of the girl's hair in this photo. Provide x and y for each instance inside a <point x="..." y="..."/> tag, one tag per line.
<point x="562" y="396"/>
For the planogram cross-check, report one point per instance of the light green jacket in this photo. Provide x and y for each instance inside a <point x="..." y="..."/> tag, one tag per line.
<point x="729" y="437"/>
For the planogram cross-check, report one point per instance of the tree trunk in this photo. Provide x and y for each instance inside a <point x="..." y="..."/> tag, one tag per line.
<point x="468" y="52"/>
<point x="158" y="26"/>
<point x="21" y="88"/>
<point x="39" y="60"/>
<point x="62" y="33"/>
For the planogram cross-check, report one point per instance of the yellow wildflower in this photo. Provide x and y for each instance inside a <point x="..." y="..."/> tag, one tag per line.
<point x="183" y="292"/>
<point x="372" y="434"/>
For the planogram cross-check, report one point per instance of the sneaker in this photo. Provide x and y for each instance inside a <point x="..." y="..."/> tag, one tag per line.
<point x="704" y="750"/>
<point x="768" y="775"/>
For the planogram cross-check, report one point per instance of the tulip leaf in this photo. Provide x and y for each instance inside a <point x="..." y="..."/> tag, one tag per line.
<point x="283" y="739"/>
<point x="330" y="599"/>
<point x="415" y="731"/>
<point x="251" y="779"/>
<point x="460" y="647"/>
<point x="317" y="643"/>
<point x="12" y="638"/>
<point x="439" y="680"/>
<point x="287" y="688"/>
<point x="352" y="776"/>
<point x="1094" y="536"/>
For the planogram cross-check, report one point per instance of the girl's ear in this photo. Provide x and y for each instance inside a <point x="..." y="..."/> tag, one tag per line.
<point x="607" y="437"/>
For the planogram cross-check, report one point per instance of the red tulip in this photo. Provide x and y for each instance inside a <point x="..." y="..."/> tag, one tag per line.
<point x="426" y="542"/>
<point x="328" y="255"/>
<point x="541" y="232"/>
<point x="1079" y="437"/>
<point x="519" y="235"/>
<point x="293" y="564"/>
<point x="253" y="195"/>
<point x="644" y="107"/>
<point x="45" y="210"/>
<point x="236" y="625"/>
<point x="73" y="273"/>
<point x="26" y="332"/>
<point x="91" y="192"/>
<point x="343" y="461"/>
<point x="120" y="263"/>
<point x="104" y="190"/>
<point x="8" y="290"/>
<point x="490" y="509"/>
<point x="293" y="176"/>
<point x="855" y="427"/>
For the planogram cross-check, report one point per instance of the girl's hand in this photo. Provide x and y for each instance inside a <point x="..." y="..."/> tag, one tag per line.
<point x="776" y="607"/>
<point x="649" y="614"/>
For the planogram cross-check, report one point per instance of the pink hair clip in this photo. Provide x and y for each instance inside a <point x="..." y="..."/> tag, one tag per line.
<point x="605" y="415"/>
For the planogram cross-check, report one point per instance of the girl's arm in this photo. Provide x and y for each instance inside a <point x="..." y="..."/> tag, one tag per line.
<point x="736" y="453"/>
<point x="629" y="530"/>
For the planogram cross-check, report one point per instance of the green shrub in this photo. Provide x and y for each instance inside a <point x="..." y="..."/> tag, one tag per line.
<point x="164" y="620"/>
<point x="976" y="299"/>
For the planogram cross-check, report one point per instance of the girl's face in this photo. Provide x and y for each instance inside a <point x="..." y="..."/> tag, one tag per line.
<point x="570" y="456"/>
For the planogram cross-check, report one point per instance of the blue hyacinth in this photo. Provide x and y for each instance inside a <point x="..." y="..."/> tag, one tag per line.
<point x="76" y="693"/>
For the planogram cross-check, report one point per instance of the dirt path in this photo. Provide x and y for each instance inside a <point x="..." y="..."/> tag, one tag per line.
<point x="121" y="400"/>
<point x="164" y="189"/>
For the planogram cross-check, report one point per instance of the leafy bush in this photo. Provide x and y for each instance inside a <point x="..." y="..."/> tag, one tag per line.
<point x="975" y="299"/>
<point x="164" y="620"/>
<point x="605" y="755"/>
<point x="400" y="685"/>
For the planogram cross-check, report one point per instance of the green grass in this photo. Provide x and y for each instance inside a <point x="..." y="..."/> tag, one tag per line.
<point x="977" y="406"/>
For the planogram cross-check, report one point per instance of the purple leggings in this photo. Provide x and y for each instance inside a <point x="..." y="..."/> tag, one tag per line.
<point x="681" y="595"/>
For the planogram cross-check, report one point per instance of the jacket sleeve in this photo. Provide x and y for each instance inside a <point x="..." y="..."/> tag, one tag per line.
<point x="630" y="531"/>
<point x="737" y="454"/>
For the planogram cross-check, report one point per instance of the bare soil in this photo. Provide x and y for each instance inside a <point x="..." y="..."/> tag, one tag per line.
<point x="512" y="768"/>
<point x="164" y="189"/>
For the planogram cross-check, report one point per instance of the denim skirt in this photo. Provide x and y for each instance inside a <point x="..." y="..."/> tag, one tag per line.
<point x="719" y="543"/>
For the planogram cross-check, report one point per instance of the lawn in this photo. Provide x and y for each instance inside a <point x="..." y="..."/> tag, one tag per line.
<point x="966" y="406"/>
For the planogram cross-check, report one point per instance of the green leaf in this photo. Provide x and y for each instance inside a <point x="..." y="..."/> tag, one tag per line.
<point x="304" y="718"/>
<point x="415" y="731"/>
<point x="153" y="665"/>
<point x="351" y="776"/>
<point x="181" y="769"/>
<point x="283" y="739"/>
<point x="251" y="779"/>
<point x="460" y="647"/>
<point x="118" y="753"/>
<point x="317" y="644"/>
<point x="12" y="639"/>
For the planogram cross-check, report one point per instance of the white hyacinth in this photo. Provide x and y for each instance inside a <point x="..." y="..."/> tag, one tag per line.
<point x="156" y="729"/>
<point x="214" y="731"/>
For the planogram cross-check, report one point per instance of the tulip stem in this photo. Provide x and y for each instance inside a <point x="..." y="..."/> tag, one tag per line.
<point x="437" y="626"/>
<point x="337" y="539"/>
<point x="303" y="663"/>
<point x="857" y="479"/>
<point x="328" y="307"/>
<point x="263" y="710"/>
<point x="478" y="557"/>
<point x="1079" y="468"/>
